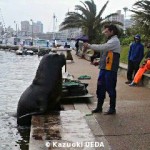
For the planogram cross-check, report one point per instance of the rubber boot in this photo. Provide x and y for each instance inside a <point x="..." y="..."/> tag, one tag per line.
<point x="112" y="109"/>
<point x="98" y="109"/>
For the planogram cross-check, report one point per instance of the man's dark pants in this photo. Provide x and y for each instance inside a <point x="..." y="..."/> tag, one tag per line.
<point x="107" y="83"/>
<point x="132" y="69"/>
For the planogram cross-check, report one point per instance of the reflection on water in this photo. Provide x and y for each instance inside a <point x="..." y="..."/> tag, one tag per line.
<point x="16" y="74"/>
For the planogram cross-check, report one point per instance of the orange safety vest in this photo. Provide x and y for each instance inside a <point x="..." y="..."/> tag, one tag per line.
<point x="109" y="60"/>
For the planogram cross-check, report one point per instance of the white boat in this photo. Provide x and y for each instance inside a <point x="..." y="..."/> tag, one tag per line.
<point x="22" y="51"/>
<point x="29" y="52"/>
<point x="19" y="52"/>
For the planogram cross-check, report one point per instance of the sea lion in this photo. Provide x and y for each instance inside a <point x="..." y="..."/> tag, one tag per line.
<point x="44" y="94"/>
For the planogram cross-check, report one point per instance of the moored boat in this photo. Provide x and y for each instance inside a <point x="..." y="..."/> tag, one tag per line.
<point x="22" y="51"/>
<point x="19" y="52"/>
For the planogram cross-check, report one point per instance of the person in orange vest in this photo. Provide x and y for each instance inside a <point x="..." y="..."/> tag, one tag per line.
<point x="135" y="55"/>
<point x="145" y="66"/>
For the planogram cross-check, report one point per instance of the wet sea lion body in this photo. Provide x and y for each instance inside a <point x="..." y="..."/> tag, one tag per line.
<point x="44" y="94"/>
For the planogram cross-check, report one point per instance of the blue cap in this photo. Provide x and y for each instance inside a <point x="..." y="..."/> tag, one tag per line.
<point x="137" y="36"/>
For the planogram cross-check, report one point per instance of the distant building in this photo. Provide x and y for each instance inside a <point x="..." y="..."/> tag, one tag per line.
<point x="39" y="27"/>
<point x="27" y="28"/>
<point x="71" y="33"/>
<point x="121" y="18"/>
<point x="35" y="29"/>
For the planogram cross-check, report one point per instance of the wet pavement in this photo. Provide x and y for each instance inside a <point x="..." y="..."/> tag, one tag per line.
<point x="60" y="131"/>
<point x="129" y="128"/>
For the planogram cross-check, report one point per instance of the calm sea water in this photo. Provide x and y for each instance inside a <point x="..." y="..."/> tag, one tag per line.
<point x="16" y="74"/>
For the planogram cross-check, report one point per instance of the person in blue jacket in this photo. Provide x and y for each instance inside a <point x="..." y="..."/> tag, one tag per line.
<point x="135" y="55"/>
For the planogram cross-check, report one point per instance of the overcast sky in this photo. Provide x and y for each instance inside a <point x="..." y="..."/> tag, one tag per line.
<point x="43" y="10"/>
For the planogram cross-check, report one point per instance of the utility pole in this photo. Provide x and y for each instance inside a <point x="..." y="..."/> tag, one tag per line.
<point x="125" y="11"/>
<point x="16" y="40"/>
<point x="54" y="21"/>
<point x="32" y="31"/>
<point x="16" y="28"/>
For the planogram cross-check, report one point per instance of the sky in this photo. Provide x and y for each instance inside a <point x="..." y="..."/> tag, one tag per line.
<point x="43" y="10"/>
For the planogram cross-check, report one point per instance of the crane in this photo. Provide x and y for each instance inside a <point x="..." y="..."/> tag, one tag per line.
<point x="2" y="20"/>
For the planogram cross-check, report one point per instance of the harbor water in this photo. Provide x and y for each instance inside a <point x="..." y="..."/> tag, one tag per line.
<point x="16" y="74"/>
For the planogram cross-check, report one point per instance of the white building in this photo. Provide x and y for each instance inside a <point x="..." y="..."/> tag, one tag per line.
<point x="119" y="17"/>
